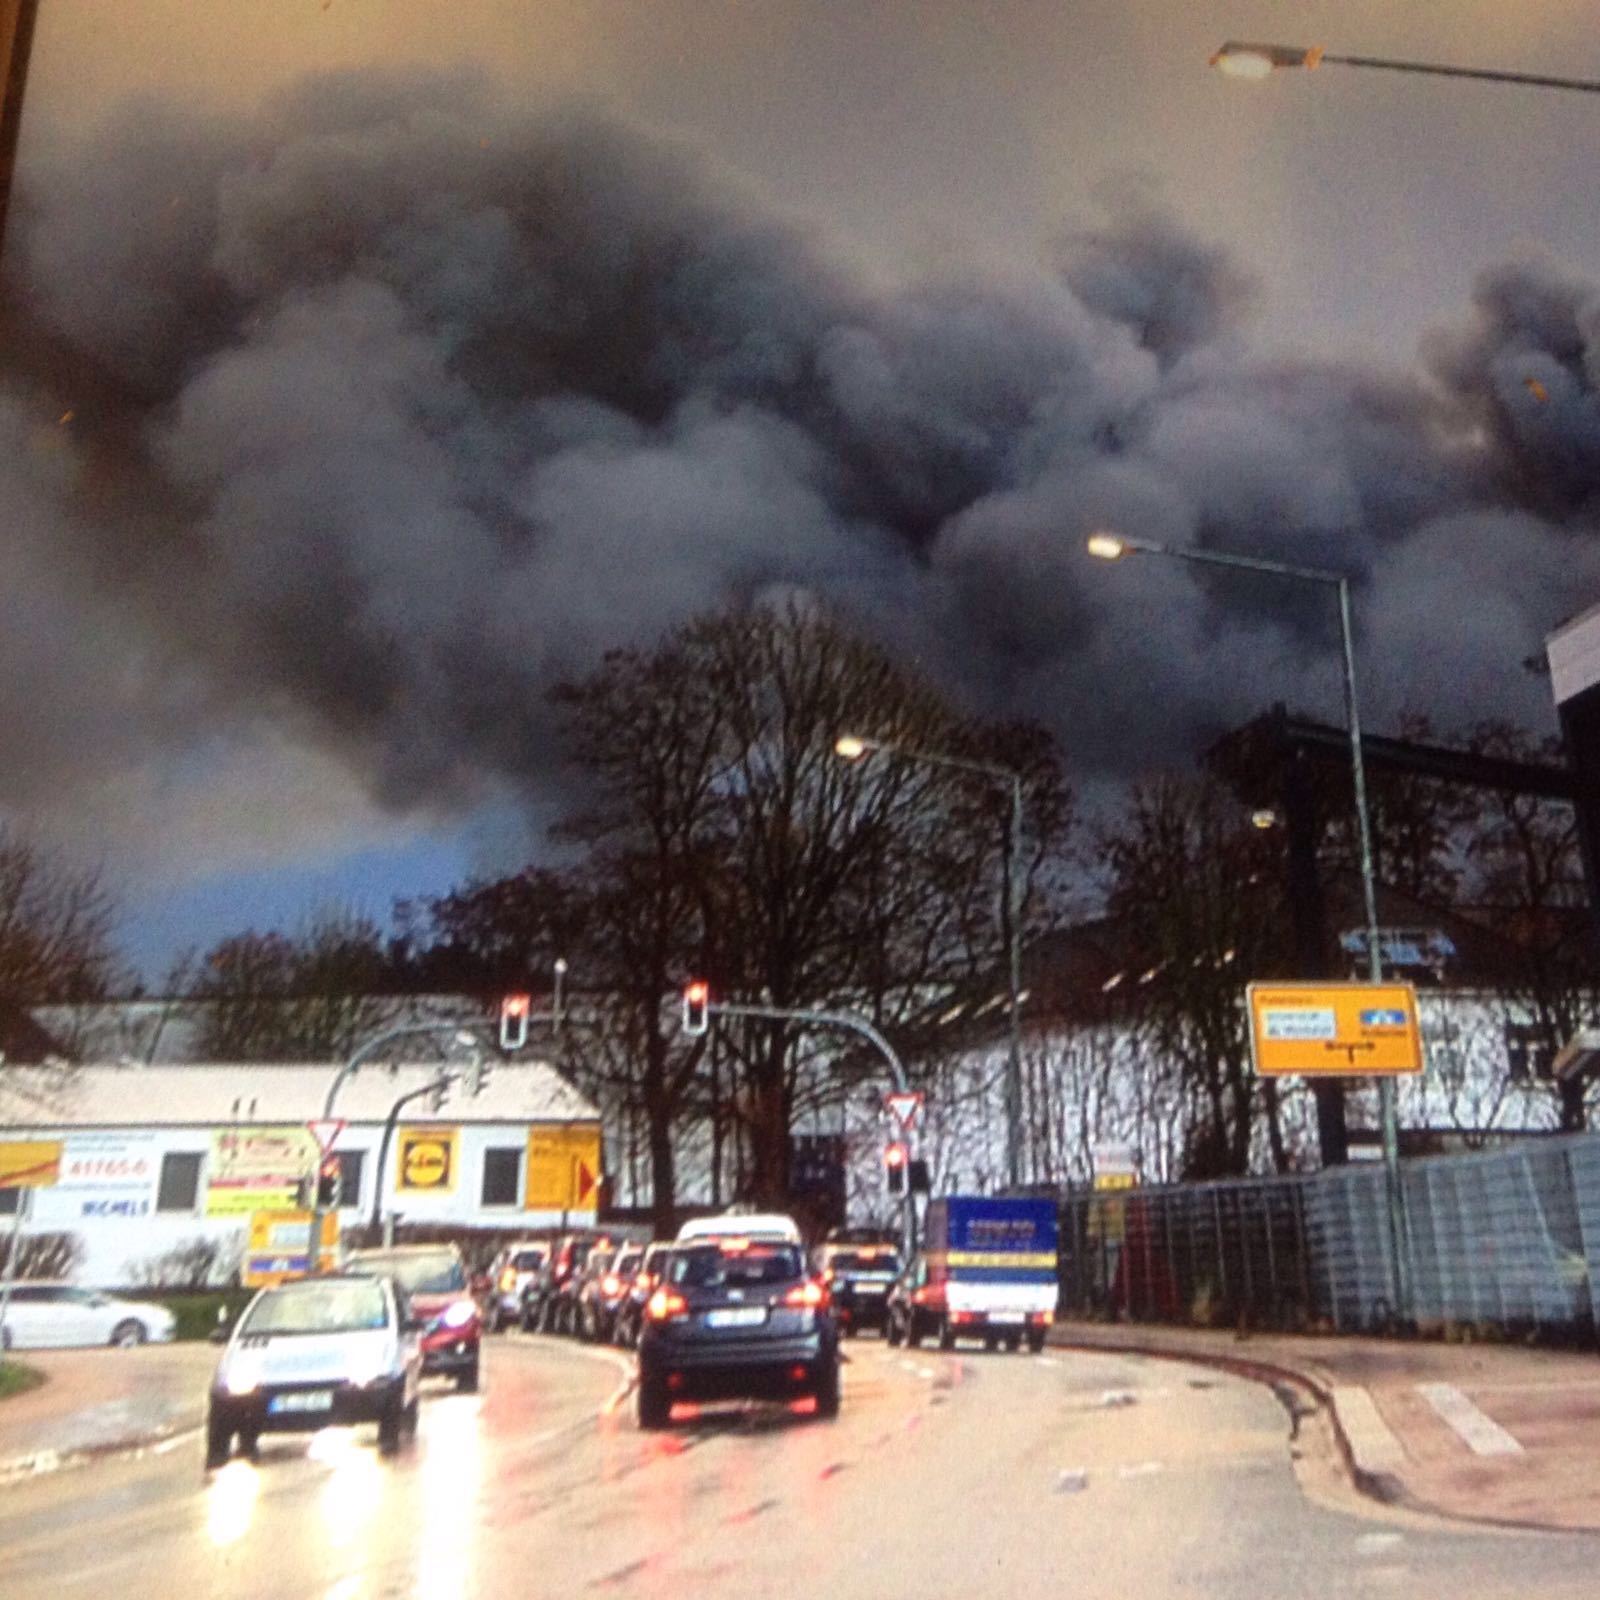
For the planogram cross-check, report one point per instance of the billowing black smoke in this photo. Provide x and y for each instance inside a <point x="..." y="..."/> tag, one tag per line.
<point x="389" y="404"/>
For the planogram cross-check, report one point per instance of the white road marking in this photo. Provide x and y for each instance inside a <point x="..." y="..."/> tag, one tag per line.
<point x="1048" y="1361"/>
<point x="1378" y="1544"/>
<point x="1372" y="1442"/>
<point x="927" y="1372"/>
<point x="1141" y="1469"/>
<point x="1118" y="1397"/>
<point x="1069" y="1480"/>
<point x="1481" y="1433"/>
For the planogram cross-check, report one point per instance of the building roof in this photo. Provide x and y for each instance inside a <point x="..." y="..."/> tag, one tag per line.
<point x="218" y="1096"/>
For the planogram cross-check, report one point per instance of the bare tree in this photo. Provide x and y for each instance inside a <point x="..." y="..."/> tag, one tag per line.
<point x="56" y="924"/>
<point x="276" y="997"/>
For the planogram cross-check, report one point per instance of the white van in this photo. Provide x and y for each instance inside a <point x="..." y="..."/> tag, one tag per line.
<point x="736" y="1225"/>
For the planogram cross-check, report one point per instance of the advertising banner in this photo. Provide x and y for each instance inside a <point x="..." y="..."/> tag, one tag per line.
<point x="109" y="1174"/>
<point x="427" y="1161"/>
<point x="258" y="1169"/>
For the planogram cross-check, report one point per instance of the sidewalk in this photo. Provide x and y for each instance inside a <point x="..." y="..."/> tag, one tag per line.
<point x="95" y="1401"/>
<point x="1493" y="1433"/>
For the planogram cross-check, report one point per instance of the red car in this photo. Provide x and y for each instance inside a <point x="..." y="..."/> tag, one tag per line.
<point x="435" y="1283"/>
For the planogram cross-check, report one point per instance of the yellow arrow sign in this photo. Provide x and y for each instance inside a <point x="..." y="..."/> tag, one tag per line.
<point x="563" y="1168"/>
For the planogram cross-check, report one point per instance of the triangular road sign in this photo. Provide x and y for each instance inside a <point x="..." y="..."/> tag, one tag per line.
<point x="325" y="1130"/>
<point x="904" y="1105"/>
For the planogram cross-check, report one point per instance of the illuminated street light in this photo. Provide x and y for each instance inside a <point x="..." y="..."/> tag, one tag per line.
<point x="1258" y="61"/>
<point x="1339" y="582"/>
<point x="852" y="747"/>
<point x="1264" y="820"/>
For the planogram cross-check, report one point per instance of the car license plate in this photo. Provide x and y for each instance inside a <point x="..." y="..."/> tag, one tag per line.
<point x="736" y="1317"/>
<point x="1008" y="1318"/>
<point x="309" y="1400"/>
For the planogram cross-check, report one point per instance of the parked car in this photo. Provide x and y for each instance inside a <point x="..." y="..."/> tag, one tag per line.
<point x="630" y="1313"/>
<point x="736" y="1317"/>
<point x="513" y="1270"/>
<point x="859" y="1277"/>
<point x="42" y="1315"/>
<point x="340" y="1348"/>
<point x="435" y="1283"/>
<point x="605" y="1285"/>
<point x="549" y="1304"/>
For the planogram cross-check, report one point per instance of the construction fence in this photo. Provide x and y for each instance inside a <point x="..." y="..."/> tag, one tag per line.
<point x="1506" y="1241"/>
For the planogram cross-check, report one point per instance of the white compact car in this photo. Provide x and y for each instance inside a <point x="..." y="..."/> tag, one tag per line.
<point x="314" y="1353"/>
<point x="42" y="1316"/>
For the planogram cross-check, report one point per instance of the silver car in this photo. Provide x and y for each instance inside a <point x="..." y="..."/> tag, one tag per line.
<point x="313" y="1354"/>
<point x="51" y="1315"/>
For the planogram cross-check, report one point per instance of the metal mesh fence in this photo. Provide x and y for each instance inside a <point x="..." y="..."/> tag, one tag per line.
<point x="1507" y="1240"/>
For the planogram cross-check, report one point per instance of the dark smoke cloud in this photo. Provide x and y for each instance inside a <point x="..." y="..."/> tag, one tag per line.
<point x="392" y="404"/>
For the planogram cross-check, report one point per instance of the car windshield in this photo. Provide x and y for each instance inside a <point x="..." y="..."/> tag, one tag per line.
<point x="864" y="1261"/>
<point x="628" y="1263"/>
<point x="599" y="1261"/>
<point x="715" y="1266"/>
<point x="342" y="1306"/>
<point x="416" y="1274"/>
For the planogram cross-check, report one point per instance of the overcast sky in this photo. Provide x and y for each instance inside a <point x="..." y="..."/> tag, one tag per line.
<point x="908" y="140"/>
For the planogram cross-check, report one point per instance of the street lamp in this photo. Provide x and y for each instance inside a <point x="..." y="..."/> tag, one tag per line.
<point x="1112" y="547"/>
<point x="853" y="747"/>
<point x="1256" y="61"/>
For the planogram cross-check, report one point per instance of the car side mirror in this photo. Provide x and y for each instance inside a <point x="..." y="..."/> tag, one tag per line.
<point x="218" y="1335"/>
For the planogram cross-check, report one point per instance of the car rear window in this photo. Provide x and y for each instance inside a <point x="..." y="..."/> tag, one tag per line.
<point x="527" y="1260"/>
<point x="416" y="1274"/>
<point x="628" y="1262"/>
<point x="864" y="1261"/>
<point x="351" y="1306"/>
<point x="713" y="1266"/>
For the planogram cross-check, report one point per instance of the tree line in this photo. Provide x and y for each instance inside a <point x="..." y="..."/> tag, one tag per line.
<point x="717" y="833"/>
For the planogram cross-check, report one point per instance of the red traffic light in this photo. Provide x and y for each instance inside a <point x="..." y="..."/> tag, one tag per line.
<point x="895" y="1155"/>
<point x="514" y="1009"/>
<point x="697" y="993"/>
<point x="696" y="998"/>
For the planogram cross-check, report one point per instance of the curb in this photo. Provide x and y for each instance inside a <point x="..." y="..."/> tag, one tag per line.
<point x="1383" y="1487"/>
<point x="42" y="1463"/>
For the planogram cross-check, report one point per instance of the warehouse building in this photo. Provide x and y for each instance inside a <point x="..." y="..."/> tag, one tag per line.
<point x="161" y="1166"/>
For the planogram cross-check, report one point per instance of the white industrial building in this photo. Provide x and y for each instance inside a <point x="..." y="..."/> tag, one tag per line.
<point x="162" y="1159"/>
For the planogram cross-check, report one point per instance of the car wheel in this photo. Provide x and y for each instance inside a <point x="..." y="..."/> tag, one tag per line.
<point x="391" y="1426"/>
<point x="828" y="1392"/>
<point x="1013" y="1342"/>
<point x="947" y="1334"/>
<point x="249" y="1442"/>
<point x="1036" y="1343"/>
<point x="127" y="1334"/>
<point x="655" y="1406"/>
<point x="467" y="1382"/>
<point x="219" y="1444"/>
<point x="913" y="1332"/>
<point x="891" y="1331"/>
<point x="412" y="1417"/>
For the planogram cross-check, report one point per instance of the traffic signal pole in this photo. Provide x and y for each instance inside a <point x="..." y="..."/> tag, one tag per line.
<point x="699" y="1008"/>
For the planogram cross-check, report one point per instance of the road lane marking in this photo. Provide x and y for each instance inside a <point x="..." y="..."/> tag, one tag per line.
<point x="1048" y="1361"/>
<point x="1378" y="1544"/>
<point x="1481" y="1433"/>
<point x="1141" y="1469"/>
<point x="1071" y="1480"/>
<point x="1372" y="1442"/>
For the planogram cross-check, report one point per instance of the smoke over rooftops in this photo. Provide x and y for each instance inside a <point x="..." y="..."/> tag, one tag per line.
<point x="391" y="403"/>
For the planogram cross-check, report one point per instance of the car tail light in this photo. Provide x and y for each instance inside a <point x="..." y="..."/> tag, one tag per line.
<point x="1041" y="1319"/>
<point x="735" y="1247"/>
<point x="508" y="1280"/>
<point x="665" y="1304"/>
<point x="930" y="1294"/>
<point x="611" y="1285"/>
<point x="809" y="1295"/>
<point x="963" y="1317"/>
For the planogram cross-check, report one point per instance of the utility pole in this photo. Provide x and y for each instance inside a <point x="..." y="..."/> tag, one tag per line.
<point x="17" y="19"/>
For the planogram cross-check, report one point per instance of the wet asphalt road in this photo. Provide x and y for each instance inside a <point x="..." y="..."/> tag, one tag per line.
<point x="947" y="1475"/>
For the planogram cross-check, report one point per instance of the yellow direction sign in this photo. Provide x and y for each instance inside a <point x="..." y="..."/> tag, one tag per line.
<point x="427" y="1161"/>
<point x="564" y="1168"/>
<point x="278" y="1248"/>
<point x="30" y="1164"/>
<point x="1340" y="1030"/>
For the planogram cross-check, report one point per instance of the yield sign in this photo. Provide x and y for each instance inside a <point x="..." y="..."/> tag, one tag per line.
<point x="904" y="1105"/>
<point x="585" y="1180"/>
<point x="325" y="1130"/>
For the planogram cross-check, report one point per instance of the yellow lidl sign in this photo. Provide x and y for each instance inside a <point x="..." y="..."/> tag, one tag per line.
<point x="30" y="1164"/>
<point x="427" y="1161"/>
<point x="1337" y="1030"/>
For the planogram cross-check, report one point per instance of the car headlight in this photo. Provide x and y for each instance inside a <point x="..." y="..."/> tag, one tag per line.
<point x="458" y="1314"/>
<point x="372" y="1371"/>
<point x="242" y="1378"/>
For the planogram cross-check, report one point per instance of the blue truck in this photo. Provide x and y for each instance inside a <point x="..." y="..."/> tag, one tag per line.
<point x="987" y="1270"/>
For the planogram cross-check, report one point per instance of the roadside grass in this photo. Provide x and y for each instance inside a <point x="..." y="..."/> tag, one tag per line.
<point x="196" y="1310"/>
<point x="18" y="1378"/>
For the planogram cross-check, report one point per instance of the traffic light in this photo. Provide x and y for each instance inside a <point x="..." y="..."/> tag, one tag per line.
<point x="896" y="1159"/>
<point x="513" y="1022"/>
<point x="696" y="1004"/>
<point x="328" y="1187"/>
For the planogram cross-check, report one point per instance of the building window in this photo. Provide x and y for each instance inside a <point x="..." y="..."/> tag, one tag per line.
<point x="1529" y="1054"/>
<point x="179" y="1188"/>
<point x="352" y="1163"/>
<point x="502" y="1174"/>
<point x="10" y="1199"/>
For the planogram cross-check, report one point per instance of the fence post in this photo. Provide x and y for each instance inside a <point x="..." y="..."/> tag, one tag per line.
<point x="1222" y="1248"/>
<point x="1272" y="1254"/>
